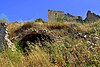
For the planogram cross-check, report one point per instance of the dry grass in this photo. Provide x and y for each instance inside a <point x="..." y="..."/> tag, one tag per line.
<point x="77" y="55"/>
<point x="12" y="27"/>
<point x="68" y="52"/>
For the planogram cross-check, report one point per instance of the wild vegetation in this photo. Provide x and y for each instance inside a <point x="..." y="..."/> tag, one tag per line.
<point x="59" y="44"/>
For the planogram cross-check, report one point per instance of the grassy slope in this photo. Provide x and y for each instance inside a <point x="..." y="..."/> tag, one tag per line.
<point x="64" y="53"/>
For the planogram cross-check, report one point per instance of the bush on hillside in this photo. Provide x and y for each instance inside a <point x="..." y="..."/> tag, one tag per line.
<point x="40" y="20"/>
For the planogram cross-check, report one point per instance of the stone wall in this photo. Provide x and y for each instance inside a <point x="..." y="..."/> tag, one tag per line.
<point x="70" y="18"/>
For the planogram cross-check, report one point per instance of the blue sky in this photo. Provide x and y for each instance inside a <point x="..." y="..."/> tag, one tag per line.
<point x="17" y="10"/>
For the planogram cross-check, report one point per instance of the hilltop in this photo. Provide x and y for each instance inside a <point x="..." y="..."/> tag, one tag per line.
<point x="60" y="42"/>
<point x="66" y="44"/>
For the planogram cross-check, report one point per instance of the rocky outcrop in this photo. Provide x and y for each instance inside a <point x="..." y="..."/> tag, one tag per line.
<point x="91" y="17"/>
<point x="4" y="37"/>
<point x="2" y="34"/>
<point x="8" y="41"/>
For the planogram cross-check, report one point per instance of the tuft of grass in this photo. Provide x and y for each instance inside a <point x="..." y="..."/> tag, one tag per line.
<point x="12" y="27"/>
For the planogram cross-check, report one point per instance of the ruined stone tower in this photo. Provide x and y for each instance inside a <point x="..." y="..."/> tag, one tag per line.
<point x="54" y="15"/>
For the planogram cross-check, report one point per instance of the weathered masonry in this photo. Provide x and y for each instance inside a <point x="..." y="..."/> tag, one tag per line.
<point x="54" y="15"/>
<point x="58" y="16"/>
<point x="2" y="34"/>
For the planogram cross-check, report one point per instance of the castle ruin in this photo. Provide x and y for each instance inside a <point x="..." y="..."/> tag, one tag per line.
<point x="54" y="15"/>
<point x="60" y="16"/>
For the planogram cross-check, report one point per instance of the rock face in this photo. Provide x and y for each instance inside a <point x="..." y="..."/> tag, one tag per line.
<point x="4" y="37"/>
<point x="91" y="17"/>
<point x="2" y="34"/>
<point x="58" y="16"/>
